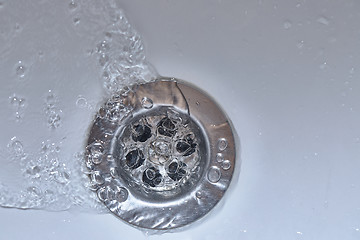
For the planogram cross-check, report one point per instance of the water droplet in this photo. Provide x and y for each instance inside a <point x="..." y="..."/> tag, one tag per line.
<point x="17" y="27"/>
<point x="34" y="190"/>
<point x="96" y="178"/>
<point x="81" y="102"/>
<point x="33" y="171"/>
<point x="49" y="196"/>
<point x="17" y="102"/>
<point x="54" y="120"/>
<point x="198" y="195"/>
<point x="103" y="59"/>
<point x="101" y="193"/>
<point x="72" y="5"/>
<point x="20" y="70"/>
<point x="62" y="177"/>
<point x="222" y="144"/>
<point x="50" y="99"/>
<point x="121" y="194"/>
<point x="300" y="44"/>
<point x="323" y="20"/>
<point x="287" y="24"/>
<point x="110" y="158"/>
<point x="214" y="174"/>
<point x="114" y="172"/>
<point x="219" y="157"/>
<point x="226" y="165"/>
<point x="146" y="103"/>
<point x="16" y="147"/>
<point x="96" y="152"/>
<point x="103" y="47"/>
<point x="76" y="20"/>
<point x="352" y="71"/>
<point x="323" y="66"/>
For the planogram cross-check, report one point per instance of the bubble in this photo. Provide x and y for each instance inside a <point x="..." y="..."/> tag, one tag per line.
<point x="62" y="177"/>
<point x="33" y="171"/>
<point x="51" y="111"/>
<point x="96" y="152"/>
<point x="121" y="194"/>
<point x="226" y="165"/>
<point x="174" y="116"/>
<point x="81" y="102"/>
<point x="324" y="66"/>
<point x="222" y="144"/>
<point x="101" y="193"/>
<point x="54" y="120"/>
<point x="219" y="157"/>
<point x="110" y="158"/>
<point x="36" y="192"/>
<point x="323" y="20"/>
<point x="103" y="59"/>
<point x="214" y="174"/>
<point x="287" y="24"/>
<point x="16" y="147"/>
<point x="17" y="27"/>
<point x="72" y="5"/>
<point x="103" y="47"/>
<point x="20" y="70"/>
<point x="198" y="195"/>
<point x="49" y="196"/>
<point x="76" y="20"/>
<point x="97" y="178"/>
<point x="114" y="172"/>
<point x="146" y="103"/>
<point x="300" y="44"/>
<point x="16" y="101"/>
<point x="50" y="99"/>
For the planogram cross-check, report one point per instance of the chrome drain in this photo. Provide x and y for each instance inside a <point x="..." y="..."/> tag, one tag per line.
<point x="161" y="154"/>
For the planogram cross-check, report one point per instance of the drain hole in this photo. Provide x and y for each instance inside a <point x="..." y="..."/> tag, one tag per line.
<point x="135" y="159"/>
<point x="141" y="133"/>
<point x="162" y="149"/>
<point x="166" y="127"/>
<point x="177" y="171"/>
<point x="152" y="177"/>
<point x="186" y="146"/>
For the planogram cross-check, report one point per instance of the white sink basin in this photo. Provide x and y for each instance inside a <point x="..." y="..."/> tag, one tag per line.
<point x="286" y="73"/>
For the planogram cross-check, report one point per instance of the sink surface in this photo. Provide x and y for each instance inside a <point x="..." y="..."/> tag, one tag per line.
<point x="286" y="73"/>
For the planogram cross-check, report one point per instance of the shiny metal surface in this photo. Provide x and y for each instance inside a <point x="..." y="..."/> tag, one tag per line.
<point x="161" y="154"/>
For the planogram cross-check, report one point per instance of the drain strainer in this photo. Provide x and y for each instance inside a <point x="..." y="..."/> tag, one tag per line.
<point x="161" y="154"/>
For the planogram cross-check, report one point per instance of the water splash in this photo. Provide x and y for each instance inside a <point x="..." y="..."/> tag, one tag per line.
<point x="48" y="177"/>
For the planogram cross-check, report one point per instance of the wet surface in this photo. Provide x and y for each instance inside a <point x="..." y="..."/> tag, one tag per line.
<point x="285" y="72"/>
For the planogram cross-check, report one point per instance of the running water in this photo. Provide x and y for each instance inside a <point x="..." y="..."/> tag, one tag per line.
<point x="59" y="60"/>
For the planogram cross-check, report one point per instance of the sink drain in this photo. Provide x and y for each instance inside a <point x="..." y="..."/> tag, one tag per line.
<point x="161" y="154"/>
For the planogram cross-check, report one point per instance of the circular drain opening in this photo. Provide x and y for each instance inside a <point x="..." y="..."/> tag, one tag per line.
<point x="160" y="154"/>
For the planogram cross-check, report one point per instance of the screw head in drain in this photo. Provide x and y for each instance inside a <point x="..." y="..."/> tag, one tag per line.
<point x="161" y="154"/>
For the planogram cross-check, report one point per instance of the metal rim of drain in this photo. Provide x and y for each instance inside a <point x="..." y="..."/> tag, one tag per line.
<point x="161" y="154"/>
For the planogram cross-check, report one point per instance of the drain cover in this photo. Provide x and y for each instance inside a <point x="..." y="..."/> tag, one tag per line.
<point x="161" y="154"/>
